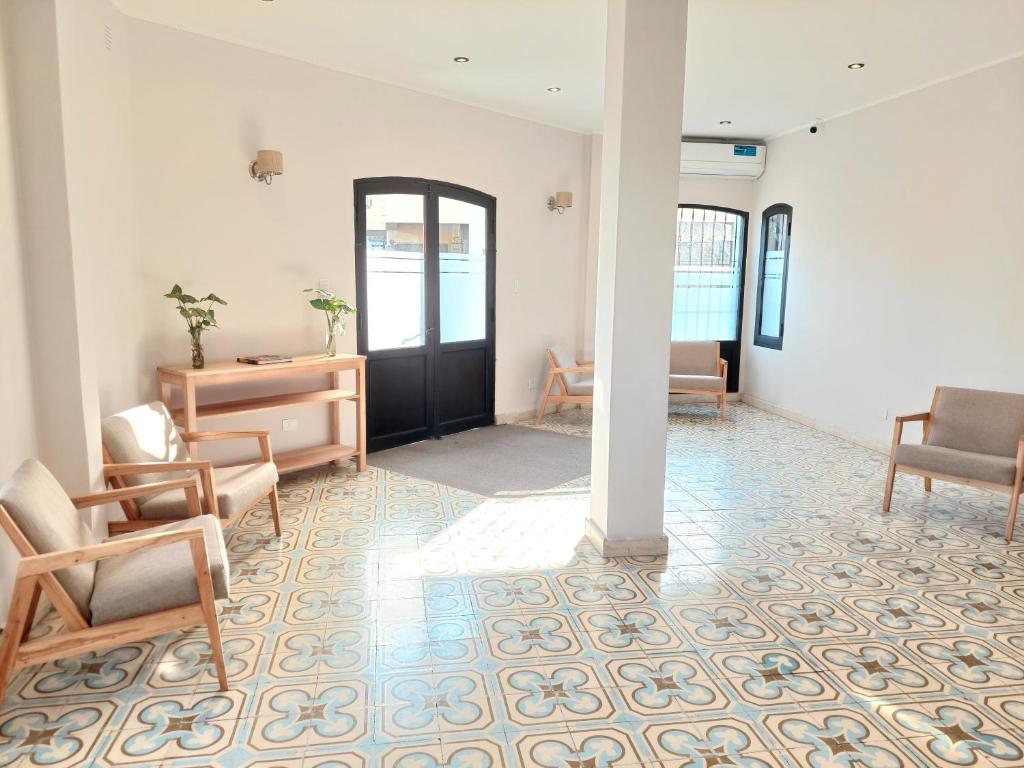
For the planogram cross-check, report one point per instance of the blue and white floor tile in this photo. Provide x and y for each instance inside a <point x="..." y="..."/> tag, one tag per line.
<point x="406" y="624"/>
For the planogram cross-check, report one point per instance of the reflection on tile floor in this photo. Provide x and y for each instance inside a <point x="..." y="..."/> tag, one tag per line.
<point x="402" y="623"/>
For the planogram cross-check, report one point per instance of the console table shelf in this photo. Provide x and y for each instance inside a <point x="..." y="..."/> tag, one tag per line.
<point x="190" y="380"/>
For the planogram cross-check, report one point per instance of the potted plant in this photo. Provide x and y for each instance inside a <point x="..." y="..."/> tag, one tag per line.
<point x="198" y="318"/>
<point x="334" y="308"/>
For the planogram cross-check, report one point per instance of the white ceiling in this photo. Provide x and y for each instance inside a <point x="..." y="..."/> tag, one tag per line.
<point x="769" y="66"/>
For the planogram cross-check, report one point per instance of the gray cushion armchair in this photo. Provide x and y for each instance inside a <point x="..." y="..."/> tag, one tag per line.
<point x="142" y="445"/>
<point x="697" y="368"/>
<point x="122" y="589"/>
<point x="971" y="436"/>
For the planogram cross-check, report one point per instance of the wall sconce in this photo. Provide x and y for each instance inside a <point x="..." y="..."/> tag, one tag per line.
<point x="560" y="202"/>
<point x="268" y="164"/>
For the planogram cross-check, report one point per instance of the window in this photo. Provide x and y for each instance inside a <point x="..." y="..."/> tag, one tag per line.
<point x="776" y="228"/>
<point x="711" y="244"/>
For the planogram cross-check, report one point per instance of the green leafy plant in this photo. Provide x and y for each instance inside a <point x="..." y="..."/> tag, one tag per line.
<point x="197" y="316"/>
<point x="335" y="308"/>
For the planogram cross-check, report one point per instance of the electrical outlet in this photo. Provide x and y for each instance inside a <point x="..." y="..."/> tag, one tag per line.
<point x="516" y="287"/>
<point x="531" y="384"/>
<point x="289" y="425"/>
<point x="883" y="414"/>
<point x="322" y="284"/>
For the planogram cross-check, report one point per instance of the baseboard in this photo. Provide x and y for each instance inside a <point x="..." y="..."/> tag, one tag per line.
<point x="513" y="417"/>
<point x="807" y="421"/>
<point x="657" y="545"/>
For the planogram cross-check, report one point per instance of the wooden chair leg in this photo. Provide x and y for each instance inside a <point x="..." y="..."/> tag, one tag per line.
<point x="890" y="478"/>
<point x="558" y="407"/>
<point x="544" y="401"/>
<point x="722" y="398"/>
<point x="32" y="606"/>
<point x="208" y="601"/>
<point x="1012" y="519"/>
<point x="927" y="485"/>
<point x="275" y="509"/>
<point x="17" y="618"/>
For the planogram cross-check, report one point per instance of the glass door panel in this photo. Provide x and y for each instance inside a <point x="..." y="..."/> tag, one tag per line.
<point x="395" y="303"/>
<point x="462" y="253"/>
<point x="776" y="247"/>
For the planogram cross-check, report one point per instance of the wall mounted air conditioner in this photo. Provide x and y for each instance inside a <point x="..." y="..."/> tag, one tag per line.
<point x="735" y="161"/>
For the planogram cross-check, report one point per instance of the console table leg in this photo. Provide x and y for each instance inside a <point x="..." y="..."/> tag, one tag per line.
<point x="361" y="416"/>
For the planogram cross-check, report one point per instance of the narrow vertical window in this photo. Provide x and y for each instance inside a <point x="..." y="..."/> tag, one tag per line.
<point x="776" y="228"/>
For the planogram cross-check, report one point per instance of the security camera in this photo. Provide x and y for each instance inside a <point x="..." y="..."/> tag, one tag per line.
<point x="818" y="125"/>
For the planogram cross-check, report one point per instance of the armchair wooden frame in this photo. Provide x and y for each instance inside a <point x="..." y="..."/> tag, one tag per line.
<point x="721" y="369"/>
<point x="35" y="575"/>
<point x="557" y="375"/>
<point x="115" y="474"/>
<point x="925" y="417"/>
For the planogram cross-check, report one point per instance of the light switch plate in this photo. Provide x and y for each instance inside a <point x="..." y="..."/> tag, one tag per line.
<point x="289" y="425"/>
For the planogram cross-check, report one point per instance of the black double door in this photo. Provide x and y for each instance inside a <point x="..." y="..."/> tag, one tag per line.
<point x="425" y="260"/>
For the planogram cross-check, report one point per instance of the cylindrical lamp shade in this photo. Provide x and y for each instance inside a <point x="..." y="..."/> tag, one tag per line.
<point x="563" y="199"/>
<point x="270" y="161"/>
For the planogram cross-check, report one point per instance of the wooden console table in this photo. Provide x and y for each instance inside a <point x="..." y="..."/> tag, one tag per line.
<point x="189" y="380"/>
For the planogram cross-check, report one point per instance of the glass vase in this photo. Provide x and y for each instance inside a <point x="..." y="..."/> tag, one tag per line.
<point x="198" y="361"/>
<point x="331" y="338"/>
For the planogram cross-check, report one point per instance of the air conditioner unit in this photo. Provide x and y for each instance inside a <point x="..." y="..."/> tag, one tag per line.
<point x="735" y="161"/>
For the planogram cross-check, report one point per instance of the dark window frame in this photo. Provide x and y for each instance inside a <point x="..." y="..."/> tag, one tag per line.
<point x="732" y="350"/>
<point x="760" y="339"/>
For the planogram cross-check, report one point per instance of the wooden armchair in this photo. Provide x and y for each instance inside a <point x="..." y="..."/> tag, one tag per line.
<point x="970" y="436"/>
<point x="142" y="445"/>
<point x="697" y="368"/>
<point x="575" y="380"/>
<point x="124" y="589"/>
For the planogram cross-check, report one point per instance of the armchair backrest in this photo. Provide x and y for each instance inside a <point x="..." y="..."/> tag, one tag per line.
<point x="977" y="420"/>
<point x="562" y="358"/>
<point x="694" y="358"/>
<point x="46" y="518"/>
<point x="141" y="434"/>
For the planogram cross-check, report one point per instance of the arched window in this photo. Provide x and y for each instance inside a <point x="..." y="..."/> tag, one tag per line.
<point x="773" y="271"/>
<point x="707" y="296"/>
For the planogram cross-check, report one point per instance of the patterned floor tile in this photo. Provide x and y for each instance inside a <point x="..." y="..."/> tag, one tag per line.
<point x="400" y="622"/>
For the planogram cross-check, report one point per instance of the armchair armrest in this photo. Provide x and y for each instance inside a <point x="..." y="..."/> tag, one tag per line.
<point x="148" y="467"/>
<point x="262" y="435"/>
<point x="585" y="362"/>
<point x="574" y="369"/>
<point x="134" y="491"/>
<point x="54" y="561"/>
<point x="925" y="416"/>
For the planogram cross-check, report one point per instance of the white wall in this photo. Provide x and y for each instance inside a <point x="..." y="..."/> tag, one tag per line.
<point x="16" y="397"/>
<point x="201" y="108"/>
<point x="906" y="269"/>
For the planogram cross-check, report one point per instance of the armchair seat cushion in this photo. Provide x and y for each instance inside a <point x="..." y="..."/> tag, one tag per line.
<point x="710" y="383"/>
<point x="949" y="461"/>
<point x="237" y="488"/>
<point x="583" y="386"/>
<point x="160" y="578"/>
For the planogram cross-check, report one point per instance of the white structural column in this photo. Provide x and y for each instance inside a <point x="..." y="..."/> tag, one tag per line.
<point x="643" y="116"/>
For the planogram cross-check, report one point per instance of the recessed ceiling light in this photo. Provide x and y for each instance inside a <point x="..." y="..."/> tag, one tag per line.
<point x="856" y="65"/>
<point x="461" y="59"/>
<point x="554" y="89"/>
<point x="725" y="122"/>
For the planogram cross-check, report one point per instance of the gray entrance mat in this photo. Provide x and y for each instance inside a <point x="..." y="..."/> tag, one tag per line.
<point x="491" y="461"/>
